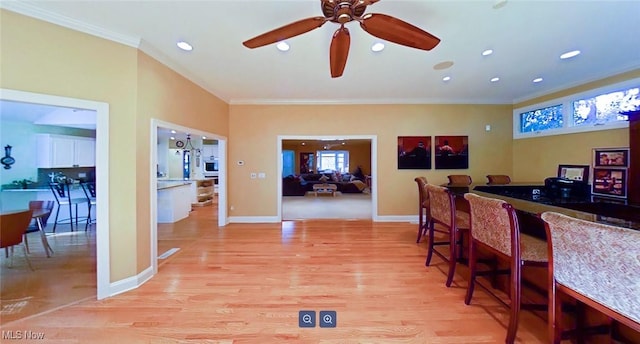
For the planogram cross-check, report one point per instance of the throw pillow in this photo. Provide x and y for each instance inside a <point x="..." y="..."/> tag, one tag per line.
<point x="323" y="179"/>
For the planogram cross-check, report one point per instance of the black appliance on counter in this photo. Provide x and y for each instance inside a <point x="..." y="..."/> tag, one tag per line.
<point x="563" y="188"/>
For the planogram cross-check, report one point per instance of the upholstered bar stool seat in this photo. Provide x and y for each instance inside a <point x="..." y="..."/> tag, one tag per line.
<point x="494" y="227"/>
<point x="442" y="211"/>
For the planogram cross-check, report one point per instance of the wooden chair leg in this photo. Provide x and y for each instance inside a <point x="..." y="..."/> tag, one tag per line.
<point x="453" y="255"/>
<point x="420" y="224"/>
<point x="431" y="238"/>
<point x="516" y="287"/>
<point x="473" y="258"/>
<point x="555" y="315"/>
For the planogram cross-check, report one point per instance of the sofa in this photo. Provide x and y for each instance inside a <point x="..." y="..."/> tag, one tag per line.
<point x="299" y="185"/>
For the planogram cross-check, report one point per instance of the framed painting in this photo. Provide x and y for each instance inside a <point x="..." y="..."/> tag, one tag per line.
<point x="609" y="182"/>
<point x="611" y="157"/>
<point x="574" y="172"/>
<point x="452" y="152"/>
<point x="414" y="152"/>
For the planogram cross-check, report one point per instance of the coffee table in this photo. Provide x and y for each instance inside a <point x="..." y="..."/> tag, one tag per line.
<point x="325" y="189"/>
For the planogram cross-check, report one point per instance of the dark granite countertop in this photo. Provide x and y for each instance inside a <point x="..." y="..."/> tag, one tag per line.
<point x="610" y="211"/>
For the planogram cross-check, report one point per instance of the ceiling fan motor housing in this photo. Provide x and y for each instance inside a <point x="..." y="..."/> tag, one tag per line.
<point x="342" y="12"/>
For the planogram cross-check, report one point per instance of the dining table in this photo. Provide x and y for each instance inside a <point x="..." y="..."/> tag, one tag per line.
<point x="38" y="215"/>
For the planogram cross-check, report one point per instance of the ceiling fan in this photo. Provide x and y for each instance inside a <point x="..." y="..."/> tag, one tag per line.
<point x="341" y="12"/>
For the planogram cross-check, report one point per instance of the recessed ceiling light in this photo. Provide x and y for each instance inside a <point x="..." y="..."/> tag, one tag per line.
<point x="570" y="54"/>
<point x="499" y="4"/>
<point x="204" y="137"/>
<point x="173" y="131"/>
<point x="537" y="80"/>
<point x="495" y="79"/>
<point x="283" y="46"/>
<point x="446" y="78"/>
<point x="378" y="46"/>
<point x="173" y="138"/>
<point x="184" y="46"/>
<point x="443" y="65"/>
<point x="487" y="52"/>
<point x="303" y="143"/>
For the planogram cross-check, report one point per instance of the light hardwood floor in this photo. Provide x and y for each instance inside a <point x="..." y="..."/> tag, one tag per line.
<point x="245" y="283"/>
<point x="342" y="206"/>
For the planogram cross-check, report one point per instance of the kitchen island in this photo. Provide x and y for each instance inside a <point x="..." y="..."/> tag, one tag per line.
<point x="174" y="200"/>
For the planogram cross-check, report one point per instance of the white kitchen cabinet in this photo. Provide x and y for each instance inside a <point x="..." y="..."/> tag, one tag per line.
<point x="209" y="151"/>
<point x="55" y="151"/>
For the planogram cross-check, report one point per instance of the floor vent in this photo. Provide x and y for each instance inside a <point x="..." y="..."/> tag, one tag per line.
<point x="168" y="253"/>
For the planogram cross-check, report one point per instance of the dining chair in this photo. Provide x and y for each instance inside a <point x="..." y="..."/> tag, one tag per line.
<point x="89" y="189"/>
<point x="442" y="212"/>
<point x="494" y="228"/>
<point x="423" y="207"/>
<point x="498" y="179"/>
<point x="459" y="179"/>
<point x="62" y="195"/>
<point x="33" y="226"/>
<point x="596" y="264"/>
<point x="12" y="228"/>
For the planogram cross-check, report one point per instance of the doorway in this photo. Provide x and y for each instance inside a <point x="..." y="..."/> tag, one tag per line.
<point x="350" y="199"/>
<point x="153" y="172"/>
<point x="101" y="172"/>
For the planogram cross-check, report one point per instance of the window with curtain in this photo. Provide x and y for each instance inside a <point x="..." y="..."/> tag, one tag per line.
<point x="333" y="160"/>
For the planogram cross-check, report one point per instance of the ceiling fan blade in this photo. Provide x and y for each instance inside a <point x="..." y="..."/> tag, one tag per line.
<point x="397" y="31"/>
<point x="339" y="51"/>
<point x="290" y="30"/>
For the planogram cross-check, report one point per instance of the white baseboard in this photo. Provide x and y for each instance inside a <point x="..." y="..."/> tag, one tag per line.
<point x="130" y="283"/>
<point x="253" y="219"/>
<point x="396" y="218"/>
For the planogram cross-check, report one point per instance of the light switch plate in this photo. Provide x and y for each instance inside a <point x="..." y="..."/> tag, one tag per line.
<point x="253" y="175"/>
<point x="262" y="175"/>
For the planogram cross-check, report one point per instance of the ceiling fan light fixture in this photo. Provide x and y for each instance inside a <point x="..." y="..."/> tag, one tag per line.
<point x="487" y="52"/>
<point x="570" y="54"/>
<point x="537" y="80"/>
<point x="184" y="46"/>
<point x="283" y="46"/>
<point x="377" y="47"/>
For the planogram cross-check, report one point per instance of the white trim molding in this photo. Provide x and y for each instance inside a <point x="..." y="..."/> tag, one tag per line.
<point x="70" y="23"/>
<point x="254" y="219"/>
<point x="130" y="283"/>
<point x="103" y="260"/>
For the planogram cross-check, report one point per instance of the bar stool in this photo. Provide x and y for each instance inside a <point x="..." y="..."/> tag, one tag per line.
<point x="442" y="210"/>
<point x="62" y="194"/>
<point x="89" y="189"/>
<point x="423" y="207"/>
<point x="494" y="227"/>
<point x="459" y="179"/>
<point x="498" y="179"/>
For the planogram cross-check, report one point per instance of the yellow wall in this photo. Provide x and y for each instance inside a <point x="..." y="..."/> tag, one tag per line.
<point x="165" y="95"/>
<point x="535" y="159"/>
<point x="256" y="145"/>
<point x="40" y="57"/>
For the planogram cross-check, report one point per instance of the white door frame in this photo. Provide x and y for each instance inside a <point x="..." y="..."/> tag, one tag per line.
<point x="153" y="187"/>
<point x="103" y="268"/>
<point x="374" y="165"/>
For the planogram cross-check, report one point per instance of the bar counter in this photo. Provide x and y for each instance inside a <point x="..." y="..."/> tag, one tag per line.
<point x="529" y="205"/>
<point x="591" y="208"/>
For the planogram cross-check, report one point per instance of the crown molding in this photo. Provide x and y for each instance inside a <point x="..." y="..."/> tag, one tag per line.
<point x="44" y="15"/>
<point x="492" y="101"/>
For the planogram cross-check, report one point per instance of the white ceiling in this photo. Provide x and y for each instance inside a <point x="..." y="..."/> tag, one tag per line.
<point x="527" y="37"/>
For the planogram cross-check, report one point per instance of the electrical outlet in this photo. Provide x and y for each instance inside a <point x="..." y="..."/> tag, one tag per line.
<point x="253" y="175"/>
<point x="232" y="208"/>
